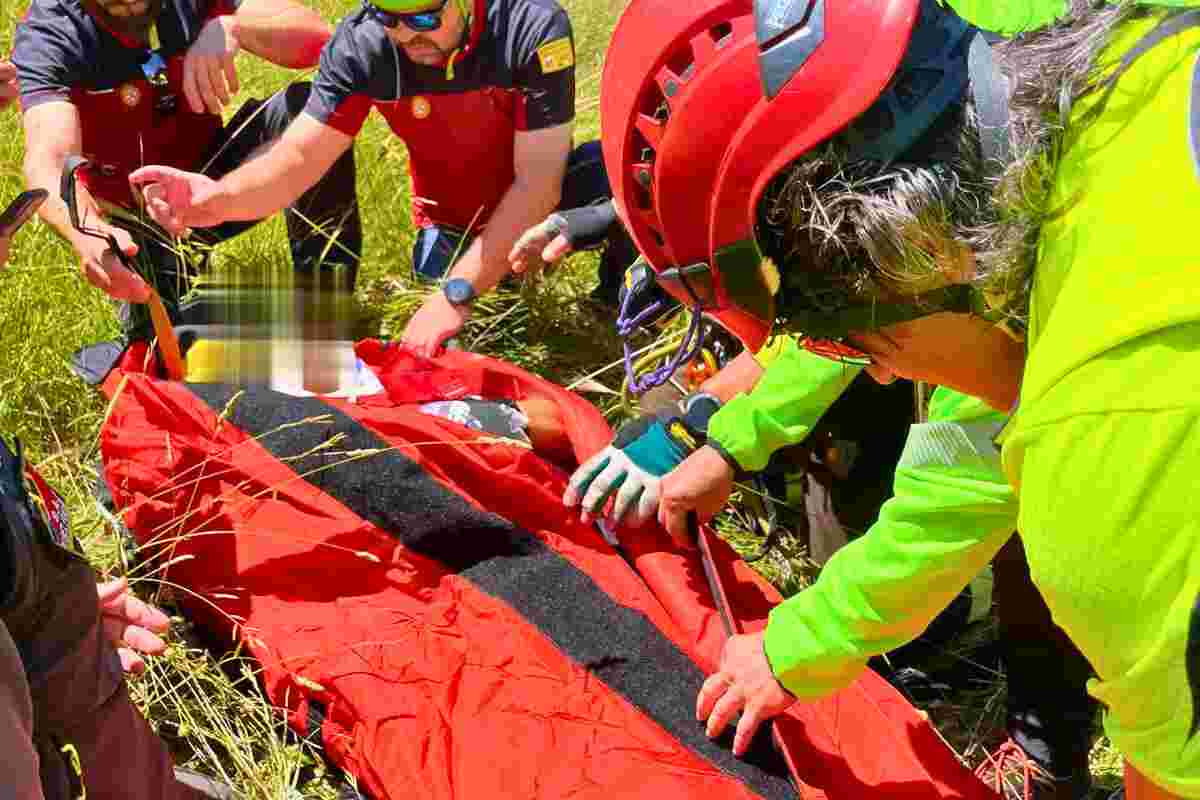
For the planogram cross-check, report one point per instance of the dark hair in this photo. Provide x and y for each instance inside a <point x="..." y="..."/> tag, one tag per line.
<point x="860" y="231"/>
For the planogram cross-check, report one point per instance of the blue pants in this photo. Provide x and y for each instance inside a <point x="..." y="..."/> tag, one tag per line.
<point x="437" y="247"/>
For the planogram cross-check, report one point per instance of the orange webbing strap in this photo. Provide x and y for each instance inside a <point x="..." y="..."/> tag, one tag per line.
<point x="1139" y="787"/>
<point x="168" y="343"/>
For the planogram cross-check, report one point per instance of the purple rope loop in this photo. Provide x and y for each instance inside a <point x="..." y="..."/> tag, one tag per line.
<point x="692" y="341"/>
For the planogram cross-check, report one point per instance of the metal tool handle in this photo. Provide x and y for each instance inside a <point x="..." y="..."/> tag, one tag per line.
<point x="701" y="535"/>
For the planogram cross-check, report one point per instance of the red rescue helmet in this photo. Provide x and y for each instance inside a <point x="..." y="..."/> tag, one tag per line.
<point x="704" y="102"/>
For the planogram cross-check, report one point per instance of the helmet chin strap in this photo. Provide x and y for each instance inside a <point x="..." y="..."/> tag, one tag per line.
<point x="458" y="51"/>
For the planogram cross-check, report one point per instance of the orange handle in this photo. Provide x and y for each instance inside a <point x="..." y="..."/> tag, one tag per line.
<point x="168" y="343"/>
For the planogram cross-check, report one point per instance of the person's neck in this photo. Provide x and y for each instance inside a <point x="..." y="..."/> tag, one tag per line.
<point x="992" y="371"/>
<point x="129" y="34"/>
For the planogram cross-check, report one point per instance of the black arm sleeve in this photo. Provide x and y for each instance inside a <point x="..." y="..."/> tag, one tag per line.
<point x="585" y="228"/>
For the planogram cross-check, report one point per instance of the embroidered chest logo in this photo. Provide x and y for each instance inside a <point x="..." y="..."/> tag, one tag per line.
<point x="130" y="95"/>
<point x="421" y="108"/>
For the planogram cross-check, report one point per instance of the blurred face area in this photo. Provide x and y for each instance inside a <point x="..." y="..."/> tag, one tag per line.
<point x="128" y="17"/>
<point x="959" y="351"/>
<point x="432" y="48"/>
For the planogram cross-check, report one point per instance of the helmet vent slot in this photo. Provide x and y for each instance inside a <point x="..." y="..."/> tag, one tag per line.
<point x="645" y="151"/>
<point x="654" y="103"/>
<point x="643" y="170"/>
<point x="641" y="196"/>
<point x="720" y="33"/>
<point x="682" y="62"/>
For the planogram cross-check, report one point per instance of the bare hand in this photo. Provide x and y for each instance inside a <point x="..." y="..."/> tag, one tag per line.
<point x="743" y="683"/>
<point x="101" y="268"/>
<point x="8" y="83"/>
<point x="538" y="248"/>
<point x="130" y="624"/>
<point x="437" y="321"/>
<point x="209" y="72"/>
<point x="3" y="250"/>
<point x="702" y="483"/>
<point x="175" y="199"/>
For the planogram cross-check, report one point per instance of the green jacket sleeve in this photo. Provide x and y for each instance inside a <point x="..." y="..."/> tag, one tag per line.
<point x="1018" y="16"/>
<point x="782" y="409"/>
<point x="951" y="511"/>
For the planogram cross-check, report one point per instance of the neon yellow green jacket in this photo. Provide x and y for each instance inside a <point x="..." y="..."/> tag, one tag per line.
<point x="1015" y="16"/>
<point x="782" y="409"/>
<point x="1105" y="447"/>
<point x="951" y="512"/>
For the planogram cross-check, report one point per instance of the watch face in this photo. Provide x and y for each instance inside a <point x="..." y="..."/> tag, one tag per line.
<point x="459" y="291"/>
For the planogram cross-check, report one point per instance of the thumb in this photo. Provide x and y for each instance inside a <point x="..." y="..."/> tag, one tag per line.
<point x="125" y="241"/>
<point x="151" y="174"/>
<point x="131" y="662"/>
<point x="110" y="590"/>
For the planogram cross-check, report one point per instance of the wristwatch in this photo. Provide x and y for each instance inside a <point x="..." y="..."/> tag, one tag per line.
<point x="459" y="292"/>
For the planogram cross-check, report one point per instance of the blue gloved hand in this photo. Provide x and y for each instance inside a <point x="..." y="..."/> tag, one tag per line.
<point x="632" y="466"/>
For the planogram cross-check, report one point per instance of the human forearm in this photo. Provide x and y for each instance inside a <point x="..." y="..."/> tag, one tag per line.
<point x="281" y="31"/>
<point x="526" y="202"/>
<point x="276" y="178"/>
<point x="43" y="170"/>
<point x="52" y="135"/>
<point x="739" y="375"/>
<point x="781" y="410"/>
<point x="952" y="511"/>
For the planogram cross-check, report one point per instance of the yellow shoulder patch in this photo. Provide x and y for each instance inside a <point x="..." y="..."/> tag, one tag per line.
<point x="556" y="56"/>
